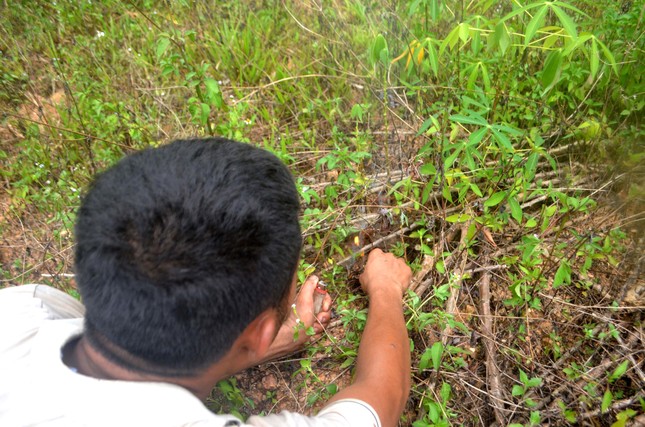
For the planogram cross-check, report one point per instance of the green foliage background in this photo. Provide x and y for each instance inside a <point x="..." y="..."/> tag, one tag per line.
<point x="496" y="118"/>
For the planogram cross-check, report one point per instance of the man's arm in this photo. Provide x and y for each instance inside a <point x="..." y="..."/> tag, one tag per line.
<point x="383" y="366"/>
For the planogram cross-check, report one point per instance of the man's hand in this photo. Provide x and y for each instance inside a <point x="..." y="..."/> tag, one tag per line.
<point x="284" y="342"/>
<point x="383" y="366"/>
<point x="384" y="271"/>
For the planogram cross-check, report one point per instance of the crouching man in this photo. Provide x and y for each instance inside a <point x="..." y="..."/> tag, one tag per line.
<point x="186" y="263"/>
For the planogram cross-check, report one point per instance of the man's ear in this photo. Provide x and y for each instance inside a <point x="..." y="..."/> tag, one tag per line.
<point x="258" y="336"/>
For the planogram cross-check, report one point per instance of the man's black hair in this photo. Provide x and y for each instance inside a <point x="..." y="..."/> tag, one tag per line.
<point x="180" y="247"/>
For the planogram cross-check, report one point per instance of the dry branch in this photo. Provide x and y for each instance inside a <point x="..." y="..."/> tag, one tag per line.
<point x="348" y="260"/>
<point x="616" y="406"/>
<point x="418" y="284"/>
<point x="455" y="288"/>
<point x="493" y="381"/>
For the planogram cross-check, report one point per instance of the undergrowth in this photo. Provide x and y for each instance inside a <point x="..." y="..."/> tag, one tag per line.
<point x="497" y="146"/>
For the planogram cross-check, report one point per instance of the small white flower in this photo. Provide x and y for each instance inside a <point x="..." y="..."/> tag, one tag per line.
<point x="74" y="190"/>
<point x="231" y="96"/>
<point x="219" y="82"/>
<point x="163" y="93"/>
<point x="99" y="34"/>
<point x="129" y="49"/>
<point x="48" y="182"/>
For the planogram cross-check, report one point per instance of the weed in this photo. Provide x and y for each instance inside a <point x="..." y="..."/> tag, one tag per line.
<point x="469" y="137"/>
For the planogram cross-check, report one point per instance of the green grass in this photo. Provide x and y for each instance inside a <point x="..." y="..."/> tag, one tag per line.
<point x="482" y="141"/>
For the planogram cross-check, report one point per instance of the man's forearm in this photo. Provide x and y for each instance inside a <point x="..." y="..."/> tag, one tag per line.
<point x="383" y="365"/>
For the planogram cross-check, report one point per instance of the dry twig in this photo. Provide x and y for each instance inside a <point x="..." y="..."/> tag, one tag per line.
<point x="493" y="381"/>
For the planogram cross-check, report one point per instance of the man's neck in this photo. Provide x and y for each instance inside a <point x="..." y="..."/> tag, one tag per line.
<point x="85" y="359"/>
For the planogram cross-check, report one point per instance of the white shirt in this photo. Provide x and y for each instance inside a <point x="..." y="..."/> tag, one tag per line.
<point x="38" y="389"/>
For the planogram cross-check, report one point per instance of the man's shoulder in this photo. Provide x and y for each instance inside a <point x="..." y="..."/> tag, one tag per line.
<point x="342" y="413"/>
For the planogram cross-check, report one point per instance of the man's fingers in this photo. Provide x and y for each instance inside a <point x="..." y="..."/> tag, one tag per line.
<point x="326" y="305"/>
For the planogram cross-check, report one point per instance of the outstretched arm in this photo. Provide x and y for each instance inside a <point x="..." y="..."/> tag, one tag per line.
<point x="383" y="366"/>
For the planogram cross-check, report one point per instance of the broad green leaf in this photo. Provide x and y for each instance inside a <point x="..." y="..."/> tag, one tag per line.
<point x="476" y="43"/>
<point x="424" y="362"/>
<point x="530" y="167"/>
<point x="501" y="33"/>
<point x="458" y="218"/>
<point x="562" y="275"/>
<point x="517" y="390"/>
<point x="162" y="46"/>
<point x="535" y="418"/>
<point x="434" y="412"/>
<point x="523" y="377"/>
<point x="594" y="59"/>
<point x="534" y="382"/>
<point x="451" y="159"/>
<point x="619" y="371"/>
<point x="566" y="21"/>
<point x="516" y="209"/>
<point x="433" y="59"/>
<point x="436" y="352"/>
<point x="571" y="47"/>
<point x="213" y="93"/>
<point x="553" y="38"/>
<point x="495" y="199"/>
<point x="440" y="266"/>
<point x="530" y="223"/>
<point x="430" y="121"/>
<point x="205" y="112"/>
<point x="570" y="7"/>
<point x="485" y="77"/>
<point x="522" y="10"/>
<point x="473" y="77"/>
<point x="475" y="189"/>
<point x="444" y="393"/>
<point x="427" y="190"/>
<point x="508" y="129"/>
<point x="473" y="119"/>
<point x="450" y="40"/>
<point x="609" y="56"/>
<point x="464" y="32"/>
<point x="412" y="10"/>
<point x="502" y="139"/>
<point x="427" y="169"/>
<point x="435" y="9"/>
<point x="534" y="24"/>
<point x="476" y="137"/>
<point x="607" y="398"/>
<point x="445" y="192"/>
<point x="551" y="70"/>
<point x="378" y="47"/>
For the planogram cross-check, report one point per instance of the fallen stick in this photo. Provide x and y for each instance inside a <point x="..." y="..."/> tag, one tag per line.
<point x="620" y="404"/>
<point x="492" y="372"/>
<point x="347" y="261"/>
<point x="455" y="288"/>
<point x="444" y="239"/>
